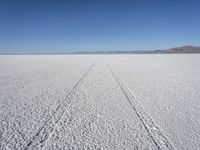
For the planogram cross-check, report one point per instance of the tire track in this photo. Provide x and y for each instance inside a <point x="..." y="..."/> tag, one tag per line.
<point x="159" y="139"/>
<point x="99" y="118"/>
<point x="37" y="141"/>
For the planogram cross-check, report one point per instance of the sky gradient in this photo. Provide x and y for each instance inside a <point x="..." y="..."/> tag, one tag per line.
<point x="39" y="26"/>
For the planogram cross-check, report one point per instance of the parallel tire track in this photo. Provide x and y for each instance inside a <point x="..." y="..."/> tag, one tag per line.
<point x="41" y="136"/>
<point x="159" y="139"/>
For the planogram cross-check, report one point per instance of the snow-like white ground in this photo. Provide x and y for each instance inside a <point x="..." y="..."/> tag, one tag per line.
<point x="100" y="102"/>
<point x="168" y="87"/>
<point x="31" y="88"/>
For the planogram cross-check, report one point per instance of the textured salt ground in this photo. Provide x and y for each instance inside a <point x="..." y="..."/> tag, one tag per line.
<point x="168" y="87"/>
<point x="99" y="120"/>
<point x="31" y="87"/>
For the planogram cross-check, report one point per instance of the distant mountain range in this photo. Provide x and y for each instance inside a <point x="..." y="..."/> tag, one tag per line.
<point x="182" y="49"/>
<point x="176" y="50"/>
<point x="189" y="49"/>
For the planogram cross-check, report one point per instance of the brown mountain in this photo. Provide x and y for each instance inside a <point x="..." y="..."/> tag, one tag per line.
<point x="183" y="49"/>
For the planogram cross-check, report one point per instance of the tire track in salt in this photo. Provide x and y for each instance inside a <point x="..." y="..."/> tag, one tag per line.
<point x="45" y="131"/>
<point x="159" y="139"/>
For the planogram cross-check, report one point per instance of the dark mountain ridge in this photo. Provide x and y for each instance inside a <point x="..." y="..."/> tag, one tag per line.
<point x="176" y="50"/>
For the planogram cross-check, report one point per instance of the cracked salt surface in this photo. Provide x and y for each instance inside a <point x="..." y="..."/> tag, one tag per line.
<point x="101" y="119"/>
<point x="125" y="102"/>
<point x="168" y="88"/>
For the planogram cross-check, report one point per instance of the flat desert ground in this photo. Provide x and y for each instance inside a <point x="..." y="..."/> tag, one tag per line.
<point x="103" y="102"/>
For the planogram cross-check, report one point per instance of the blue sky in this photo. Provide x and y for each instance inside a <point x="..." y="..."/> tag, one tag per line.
<point x="33" y="26"/>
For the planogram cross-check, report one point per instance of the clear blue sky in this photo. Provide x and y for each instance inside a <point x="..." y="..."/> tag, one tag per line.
<point x="95" y="25"/>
